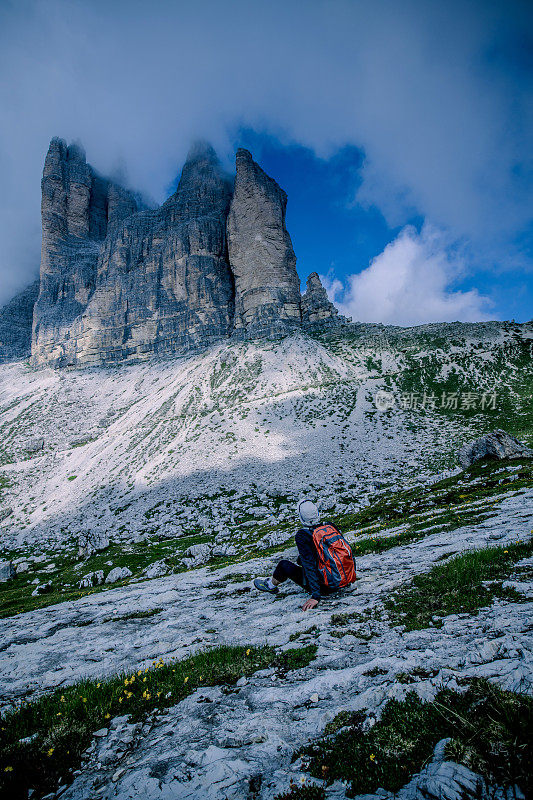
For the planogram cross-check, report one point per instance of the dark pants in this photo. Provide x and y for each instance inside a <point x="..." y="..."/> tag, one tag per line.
<point x="288" y="569"/>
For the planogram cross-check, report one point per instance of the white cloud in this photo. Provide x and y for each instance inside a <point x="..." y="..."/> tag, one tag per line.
<point x="409" y="283"/>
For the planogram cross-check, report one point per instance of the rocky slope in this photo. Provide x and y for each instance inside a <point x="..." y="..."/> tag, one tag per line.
<point x="274" y="418"/>
<point x="177" y="478"/>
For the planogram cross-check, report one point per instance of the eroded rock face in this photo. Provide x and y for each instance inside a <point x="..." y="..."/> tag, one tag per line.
<point x="16" y="319"/>
<point x="316" y="306"/>
<point x="77" y="208"/>
<point x="122" y="282"/>
<point x="497" y="444"/>
<point x="267" y="287"/>
<point x="163" y="283"/>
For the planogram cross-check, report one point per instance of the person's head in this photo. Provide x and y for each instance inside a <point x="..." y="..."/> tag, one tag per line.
<point x="308" y="512"/>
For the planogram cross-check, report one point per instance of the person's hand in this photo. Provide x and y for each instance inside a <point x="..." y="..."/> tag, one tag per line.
<point x="309" y="604"/>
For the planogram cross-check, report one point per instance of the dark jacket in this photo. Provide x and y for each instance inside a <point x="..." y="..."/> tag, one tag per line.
<point x="308" y="559"/>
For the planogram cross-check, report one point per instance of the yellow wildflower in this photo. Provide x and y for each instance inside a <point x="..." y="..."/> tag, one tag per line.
<point x="62" y="698"/>
<point x="248" y="652"/>
<point x="372" y="757"/>
<point x="98" y="685"/>
<point x="107" y="716"/>
<point x="50" y="752"/>
<point x="83" y="699"/>
<point x="8" y="769"/>
<point x="120" y="699"/>
<point x="144" y="680"/>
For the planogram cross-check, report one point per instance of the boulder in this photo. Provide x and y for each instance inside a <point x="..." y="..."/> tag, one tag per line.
<point x="222" y="551"/>
<point x="34" y="445"/>
<point x="118" y="574"/>
<point x="196" y="555"/>
<point x="156" y="570"/>
<point x="495" y="445"/>
<point x="92" y="579"/>
<point x="7" y="571"/>
<point x="92" y="542"/>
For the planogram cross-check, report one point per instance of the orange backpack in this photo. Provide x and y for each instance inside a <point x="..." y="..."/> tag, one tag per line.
<point x="335" y="559"/>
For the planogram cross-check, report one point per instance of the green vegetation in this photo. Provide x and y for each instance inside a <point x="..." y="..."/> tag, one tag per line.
<point x="60" y="725"/>
<point x="306" y="791"/>
<point x="16" y="595"/>
<point x="491" y="732"/>
<point x="460" y="585"/>
<point x="446" y="501"/>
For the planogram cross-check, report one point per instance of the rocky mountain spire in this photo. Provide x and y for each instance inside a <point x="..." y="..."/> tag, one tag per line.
<point x="78" y="206"/>
<point x="119" y="281"/>
<point x="261" y="256"/>
<point x="316" y="306"/>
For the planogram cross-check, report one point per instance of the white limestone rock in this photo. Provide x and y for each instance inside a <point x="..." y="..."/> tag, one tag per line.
<point x="497" y="445"/>
<point x="118" y="574"/>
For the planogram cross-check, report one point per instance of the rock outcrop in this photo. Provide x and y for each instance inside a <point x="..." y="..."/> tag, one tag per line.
<point x="316" y="306"/>
<point x="262" y="259"/>
<point x="496" y="445"/>
<point x="16" y="319"/>
<point x="120" y="281"/>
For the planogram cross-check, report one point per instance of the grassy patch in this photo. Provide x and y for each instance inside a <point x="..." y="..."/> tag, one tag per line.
<point x="445" y="501"/>
<point x="64" y="721"/>
<point x="16" y="595"/>
<point x="458" y="586"/>
<point x="305" y="791"/>
<point x="491" y="732"/>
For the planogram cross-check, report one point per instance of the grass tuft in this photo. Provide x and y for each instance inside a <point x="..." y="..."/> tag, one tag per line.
<point x="61" y="724"/>
<point x="491" y="732"/>
<point x="458" y="586"/>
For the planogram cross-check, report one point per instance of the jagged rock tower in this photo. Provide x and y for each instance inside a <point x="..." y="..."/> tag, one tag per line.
<point x="267" y="287"/>
<point x="120" y="281"/>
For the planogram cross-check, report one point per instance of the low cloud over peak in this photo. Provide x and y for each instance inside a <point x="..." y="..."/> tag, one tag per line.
<point x="437" y="96"/>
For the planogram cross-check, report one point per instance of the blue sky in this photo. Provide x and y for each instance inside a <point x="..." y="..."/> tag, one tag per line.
<point x="336" y="236"/>
<point x="401" y="130"/>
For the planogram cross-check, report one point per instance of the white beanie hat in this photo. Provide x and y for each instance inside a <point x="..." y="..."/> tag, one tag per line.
<point x="308" y="512"/>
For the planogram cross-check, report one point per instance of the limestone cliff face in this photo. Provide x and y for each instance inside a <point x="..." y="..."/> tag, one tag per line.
<point x="77" y="209"/>
<point x="163" y="283"/>
<point x="267" y="287"/>
<point x="15" y="324"/>
<point x="120" y="281"/>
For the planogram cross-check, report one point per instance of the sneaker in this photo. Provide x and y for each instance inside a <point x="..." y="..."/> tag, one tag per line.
<point x="262" y="585"/>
